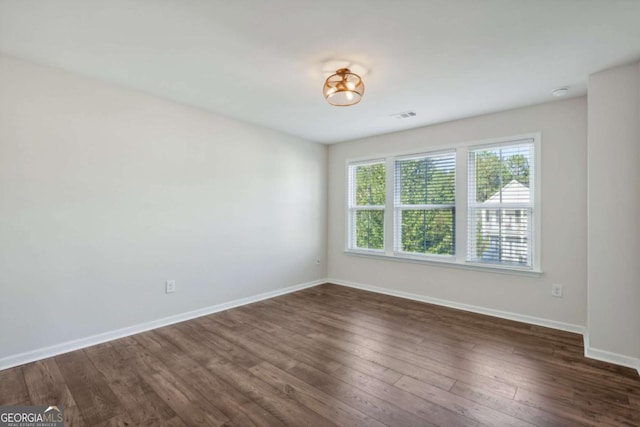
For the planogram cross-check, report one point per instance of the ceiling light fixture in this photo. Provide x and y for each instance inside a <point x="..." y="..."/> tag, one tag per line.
<point x="560" y="92"/>
<point x="343" y="88"/>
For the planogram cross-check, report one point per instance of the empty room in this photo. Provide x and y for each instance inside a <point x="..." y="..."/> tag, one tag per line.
<point x="338" y="213"/>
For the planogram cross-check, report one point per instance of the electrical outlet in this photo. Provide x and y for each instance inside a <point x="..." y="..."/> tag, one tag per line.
<point x="318" y="260"/>
<point x="556" y="290"/>
<point x="170" y="286"/>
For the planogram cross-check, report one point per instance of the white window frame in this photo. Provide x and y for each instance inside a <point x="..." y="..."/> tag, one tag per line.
<point x="533" y="205"/>
<point x="461" y="208"/>
<point x="398" y="208"/>
<point x="353" y="208"/>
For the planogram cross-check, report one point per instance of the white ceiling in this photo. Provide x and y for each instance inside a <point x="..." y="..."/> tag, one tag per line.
<point x="261" y="61"/>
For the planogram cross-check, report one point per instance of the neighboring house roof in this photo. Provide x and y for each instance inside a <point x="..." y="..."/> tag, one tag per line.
<point x="513" y="192"/>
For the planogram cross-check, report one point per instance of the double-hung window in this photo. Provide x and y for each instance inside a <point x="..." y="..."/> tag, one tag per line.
<point x="501" y="204"/>
<point x="425" y="204"/>
<point x="473" y="205"/>
<point x="367" y="195"/>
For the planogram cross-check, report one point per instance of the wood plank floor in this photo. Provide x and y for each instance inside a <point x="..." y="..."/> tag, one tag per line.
<point x="331" y="355"/>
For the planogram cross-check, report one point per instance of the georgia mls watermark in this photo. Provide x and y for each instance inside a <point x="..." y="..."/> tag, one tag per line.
<point x="31" y="416"/>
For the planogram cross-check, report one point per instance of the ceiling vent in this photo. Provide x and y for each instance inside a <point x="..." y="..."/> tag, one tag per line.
<point x="404" y="115"/>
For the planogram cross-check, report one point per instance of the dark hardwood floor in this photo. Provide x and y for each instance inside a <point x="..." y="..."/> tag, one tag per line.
<point x="331" y="355"/>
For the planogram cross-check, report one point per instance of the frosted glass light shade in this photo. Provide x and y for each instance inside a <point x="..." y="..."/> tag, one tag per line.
<point x="343" y="88"/>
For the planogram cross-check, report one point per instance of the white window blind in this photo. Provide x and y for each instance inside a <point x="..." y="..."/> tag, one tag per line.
<point x="424" y="204"/>
<point x="366" y="206"/>
<point x="501" y="204"/>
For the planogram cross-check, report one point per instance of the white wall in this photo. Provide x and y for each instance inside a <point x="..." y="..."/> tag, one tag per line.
<point x="614" y="211"/>
<point x="563" y="126"/>
<point x="105" y="193"/>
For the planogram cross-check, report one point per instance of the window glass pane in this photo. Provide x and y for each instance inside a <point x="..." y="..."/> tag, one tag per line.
<point x="428" y="231"/>
<point x="502" y="174"/>
<point x="501" y="236"/>
<point x="370" y="185"/>
<point x="369" y="229"/>
<point x="427" y="181"/>
<point x="501" y="204"/>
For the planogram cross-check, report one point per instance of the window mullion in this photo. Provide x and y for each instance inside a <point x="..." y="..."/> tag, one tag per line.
<point x="389" y="211"/>
<point x="425" y="207"/>
<point x="461" y="211"/>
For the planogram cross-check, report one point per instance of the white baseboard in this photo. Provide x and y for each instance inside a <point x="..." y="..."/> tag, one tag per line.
<point x="466" y="307"/>
<point x="43" y="353"/>
<point x="592" y="353"/>
<point x="54" y="350"/>
<point x="607" y="356"/>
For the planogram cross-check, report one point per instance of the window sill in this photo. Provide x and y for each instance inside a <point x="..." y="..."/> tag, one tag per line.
<point x="448" y="263"/>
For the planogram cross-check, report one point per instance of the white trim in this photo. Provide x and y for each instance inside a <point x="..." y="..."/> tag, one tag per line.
<point x="352" y="208"/>
<point x="537" y="202"/>
<point x="609" y="357"/>
<point x="569" y="327"/>
<point x="391" y="236"/>
<point x="499" y="142"/>
<point x="46" y="352"/>
<point x="534" y="206"/>
<point x="462" y="209"/>
<point x="367" y="208"/>
<point x="425" y="207"/>
<point x="54" y="350"/>
<point x="445" y="261"/>
<point x="390" y="215"/>
<point x="367" y="162"/>
<point x="443" y="147"/>
<point x="394" y="185"/>
<point x="589" y="352"/>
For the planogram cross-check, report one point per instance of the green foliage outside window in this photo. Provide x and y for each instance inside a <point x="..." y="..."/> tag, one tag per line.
<point x="493" y="174"/>
<point x="428" y="181"/>
<point x="428" y="231"/>
<point x="370" y="191"/>
<point x="370" y="229"/>
<point x="370" y="185"/>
